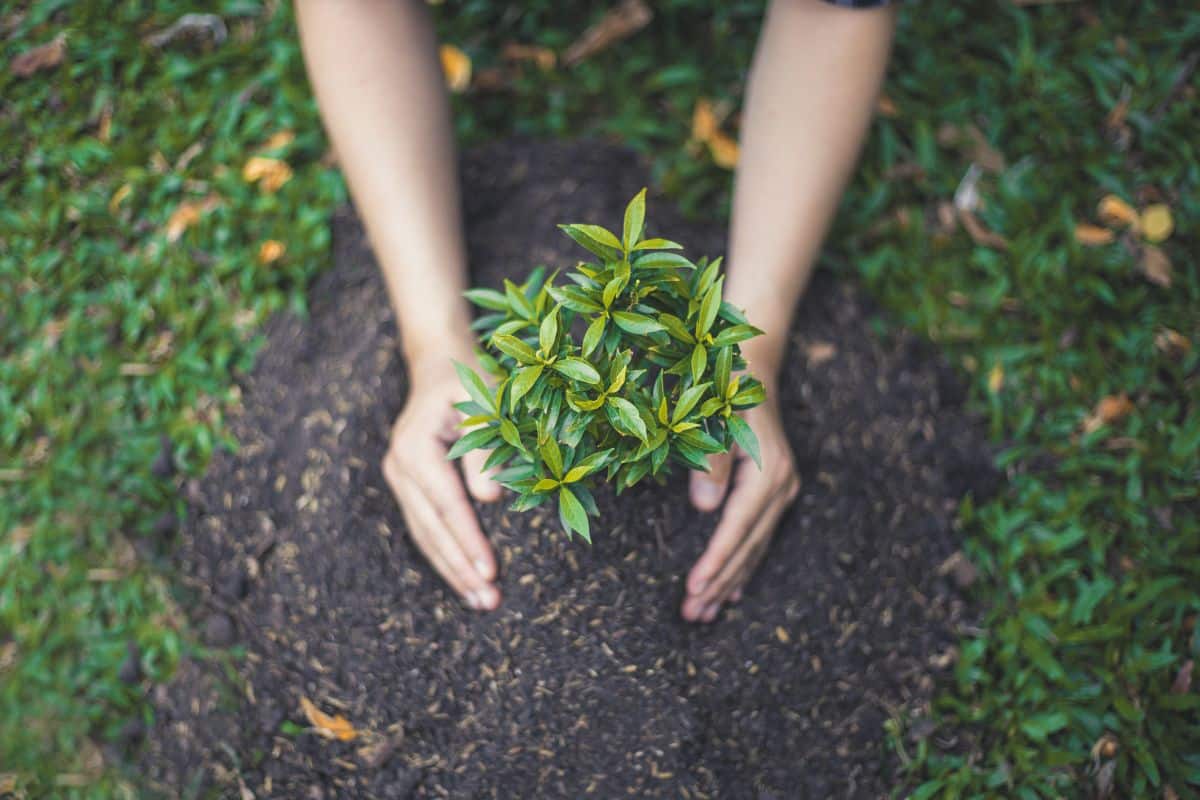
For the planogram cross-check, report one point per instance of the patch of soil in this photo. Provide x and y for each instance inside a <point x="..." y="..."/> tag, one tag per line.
<point x="586" y="683"/>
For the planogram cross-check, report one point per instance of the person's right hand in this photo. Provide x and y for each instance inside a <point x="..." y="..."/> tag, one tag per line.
<point x="429" y="490"/>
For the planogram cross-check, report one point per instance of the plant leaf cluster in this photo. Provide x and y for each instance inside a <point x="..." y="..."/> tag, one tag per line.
<point x="648" y="382"/>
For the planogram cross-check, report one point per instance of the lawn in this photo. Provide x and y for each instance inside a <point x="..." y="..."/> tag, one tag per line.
<point x="159" y="201"/>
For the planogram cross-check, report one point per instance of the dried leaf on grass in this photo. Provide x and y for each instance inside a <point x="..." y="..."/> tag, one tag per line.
<point x="1155" y="266"/>
<point x="279" y="139"/>
<point x="619" y="23"/>
<point x="544" y="57"/>
<point x="1183" y="679"/>
<point x="1116" y="212"/>
<point x="187" y="214"/>
<point x="456" y="66"/>
<point x="704" y="120"/>
<point x="271" y="250"/>
<point x="1157" y="222"/>
<point x="1093" y="235"/>
<point x="209" y="25"/>
<point x="980" y="234"/>
<point x="706" y="123"/>
<point x="331" y="727"/>
<point x="1110" y="409"/>
<point x="270" y="173"/>
<point x="724" y="150"/>
<point x="45" y="56"/>
<point x="1172" y="343"/>
<point x="886" y="107"/>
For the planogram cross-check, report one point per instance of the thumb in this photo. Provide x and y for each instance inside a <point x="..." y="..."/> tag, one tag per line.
<point x="479" y="484"/>
<point x="708" y="488"/>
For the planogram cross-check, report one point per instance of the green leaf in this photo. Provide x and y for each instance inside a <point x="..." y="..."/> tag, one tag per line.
<point x="512" y="346"/>
<point x="752" y="395"/>
<point x="548" y="332"/>
<point x="552" y="455"/>
<point x="487" y="298"/>
<point x="721" y="371"/>
<point x="711" y="406"/>
<point x="657" y="244"/>
<point x="572" y="513"/>
<point x="510" y="433"/>
<point x="545" y="485"/>
<point x="612" y="289"/>
<point x="473" y="440"/>
<point x="735" y="334"/>
<point x="628" y="415"/>
<point x="587" y="465"/>
<point x="593" y="335"/>
<point x="687" y="401"/>
<point x="699" y="361"/>
<point x="709" y="308"/>
<point x="662" y="261"/>
<point x="577" y="369"/>
<point x="525" y="378"/>
<point x="1040" y="726"/>
<point x="574" y="299"/>
<point x="632" y="322"/>
<point x="618" y="380"/>
<point x="705" y="279"/>
<point x="635" y="216"/>
<point x="475" y="387"/>
<point x="745" y="438"/>
<point x="518" y="301"/>
<point x="596" y="239"/>
<point x="676" y="328"/>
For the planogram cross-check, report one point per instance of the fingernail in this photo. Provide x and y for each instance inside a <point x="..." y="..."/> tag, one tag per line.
<point x="472" y="600"/>
<point x="483" y="569"/>
<point x="710" y="612"/>
<point x="697" y="585"/>
<point x="487" y="598"/>
<point x="736" y="596"/>
<point x="708" y="492"/>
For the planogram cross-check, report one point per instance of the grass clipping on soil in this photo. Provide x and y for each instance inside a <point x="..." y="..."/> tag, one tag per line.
<point x="650" y="383"/>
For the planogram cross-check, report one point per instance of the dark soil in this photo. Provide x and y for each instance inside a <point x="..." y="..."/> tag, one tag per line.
<point x="586" y="682"/>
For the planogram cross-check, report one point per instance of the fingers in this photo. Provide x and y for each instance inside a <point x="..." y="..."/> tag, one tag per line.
<point x="432" y="519"/>
<point x="708" y="488"/>
<point x="441" y="486"/>
<point x="741" y="512"/>
<point x="479" y="484"/>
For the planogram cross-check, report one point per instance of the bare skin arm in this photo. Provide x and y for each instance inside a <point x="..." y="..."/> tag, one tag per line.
<point x="811" y="94"/>
<point x="375" y="71"/>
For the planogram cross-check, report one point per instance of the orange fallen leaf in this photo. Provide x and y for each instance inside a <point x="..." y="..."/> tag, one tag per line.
<point x="1155" y="266"/>
<point x="980" y="234"/>
<point x="1109" y="410"/>
<point x="187" y="214"/>
<point x="544" y="57"/>
<point x="1116" y="212"/>
<point x="271" y="250"/>
<point x="704" y="120"/>
<point x="724" y="150"/>
<point x="331" y="727"/>
<point x="456" y="66"/>
<point x="995" y="379"/>
<point x="279" y="139"/>
<point x="1093" y="235"/>
<point x="45" y="56"/>
<point x="1157" y="223"/>
<point x="619" y="23"/>
<point x="782" y="635"/>
<point x="271" y="172"/>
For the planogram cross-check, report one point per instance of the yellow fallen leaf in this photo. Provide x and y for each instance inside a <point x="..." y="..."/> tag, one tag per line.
<point x="1108" y="410"/>
<point x="723" y="149"/>
<point x="1155" y="266"/>
<point x="457" y="67"/>
<point x="1116" y="212"/>
<point x="271" y="250"/>
<point x="995" y="378"/>
<point x="1092" y="235"/>
<point x="331" y="727"/>
<point x="1172" y="343"/>
<point x="782" y="635"/>
<point x="1157" y="223"/>
<point x="119" y="197"/>
<point x="279" y="139"/>
<point x="271" y="173"/>
<point x="704" y="120"/>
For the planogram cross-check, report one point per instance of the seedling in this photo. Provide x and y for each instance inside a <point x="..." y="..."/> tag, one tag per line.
<point x="650" y="383"/>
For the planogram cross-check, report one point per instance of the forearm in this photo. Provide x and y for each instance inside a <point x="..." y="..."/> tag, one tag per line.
<point x="810" y="98"/>
<point x="375" y="72"/>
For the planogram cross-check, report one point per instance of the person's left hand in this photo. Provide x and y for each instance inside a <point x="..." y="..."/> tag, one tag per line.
<point x="756" y="502"/>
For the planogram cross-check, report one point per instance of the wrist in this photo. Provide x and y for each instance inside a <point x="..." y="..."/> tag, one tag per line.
<point x="430" y="357"/>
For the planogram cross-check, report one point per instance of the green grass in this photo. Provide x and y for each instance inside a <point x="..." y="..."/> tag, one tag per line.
<point x="1089" y="557"/>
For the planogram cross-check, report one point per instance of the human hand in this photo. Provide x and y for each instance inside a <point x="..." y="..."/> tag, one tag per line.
<point x="756" y="502"/>
<point x="439" y="515"/>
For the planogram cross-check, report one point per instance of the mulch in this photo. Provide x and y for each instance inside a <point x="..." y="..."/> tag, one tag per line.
<point x="585" y="683"/>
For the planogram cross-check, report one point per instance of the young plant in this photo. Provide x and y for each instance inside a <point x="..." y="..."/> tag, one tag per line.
<point x="650" y="382"/>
